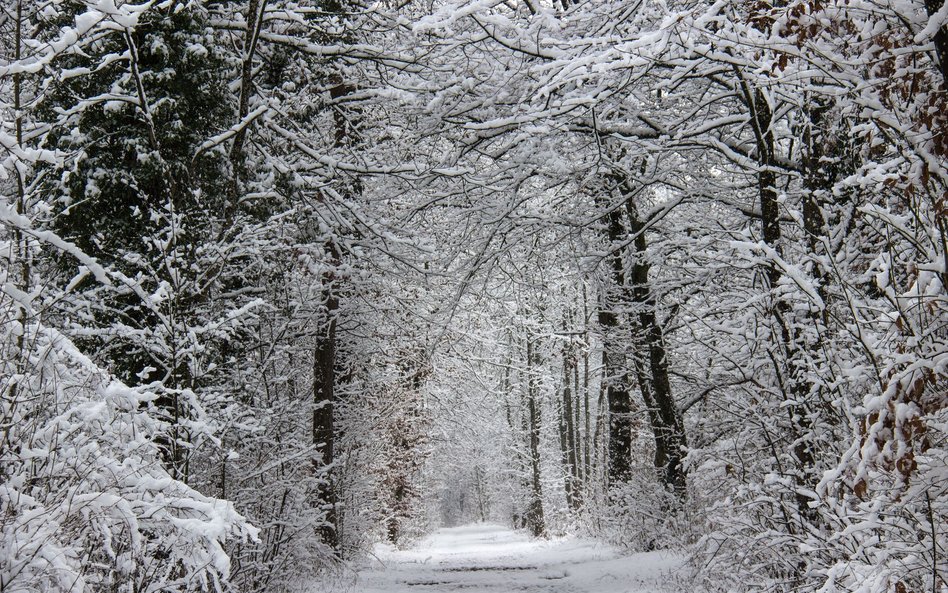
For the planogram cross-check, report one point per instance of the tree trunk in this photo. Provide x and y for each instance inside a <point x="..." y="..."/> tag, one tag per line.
<point x="535" y="520"/>
<point x="588" y="440"/>
<point x="617" y="393"/>
<point x="324" y="378"/>
<point x="795" y="386"/>
<point x="254" y="20"/>
<point x="579" y="475"/>
<point x="940" y="40"/>
<point x="398" y="498"/>
<point x="564" y="438"/>
<point x="667" y="424"/>
<point x="650" y="360"/>
<point x="568" y="434"/>
<point x="519" y="427"/>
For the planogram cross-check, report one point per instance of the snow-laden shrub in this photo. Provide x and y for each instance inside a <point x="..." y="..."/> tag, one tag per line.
<point x="642" y="515"/>
<point x="753" y="532"/>
<point x="886" y="503"/>
<point x="892" y="539"/>
<point x="85" y="504"/>
<point x="274" y="483"/>
<point x="884" y="537"/>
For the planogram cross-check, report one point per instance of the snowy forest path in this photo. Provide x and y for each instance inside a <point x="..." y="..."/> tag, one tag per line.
<point x="487" y="558"/>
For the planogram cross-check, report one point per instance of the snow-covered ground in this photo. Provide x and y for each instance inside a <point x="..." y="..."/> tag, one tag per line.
<point x="491" y="558"/>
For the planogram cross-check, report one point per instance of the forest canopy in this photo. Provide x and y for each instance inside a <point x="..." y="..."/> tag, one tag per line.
<point x="284" y="278"/>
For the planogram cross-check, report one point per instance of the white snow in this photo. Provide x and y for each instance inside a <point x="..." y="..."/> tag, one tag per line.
<point x="491" y="558"/>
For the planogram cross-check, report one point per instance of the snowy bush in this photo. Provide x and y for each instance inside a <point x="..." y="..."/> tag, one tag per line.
<point x="85" y="504"/>
<point x="642" y="515"/>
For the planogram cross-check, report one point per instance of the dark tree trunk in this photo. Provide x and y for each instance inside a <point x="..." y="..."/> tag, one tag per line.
<point x="588" y="440"/>
<point x="618" y="398"/>
<point x="324" y="368"/>
<point x="940" y="40"/>
<point x="535" y="520"/>
<point x="324" y="379"/>
<point x="578" y="473"/>
<point x="518" y="426"/>
<point x="818" y="180"/>
<point x="568" y="434"/>
<point x="564" y="439"/>
<point x="398" y="497"/>
<point x="649" y="361"/>
<point x="405" y="441"/>
<point x="254" y="21"/>
<point x="667" y="424"/>
<point x="791" y="379"/>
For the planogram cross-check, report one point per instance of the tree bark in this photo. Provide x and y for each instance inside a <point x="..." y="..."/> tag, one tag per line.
<point x="254" y="19"/>
<point x="796" y="388"/>
<point x="618" y="398"/>
<point x="568" y="434"/>
<point x="940" y="40"/>
<point x="580" y="474"/>
<point x="564" y="438"/>
<point x="668" y="426"/>
<point x="588" y="443"/>
<point x="324" y="379"/>
<point x="535" y="520"/>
